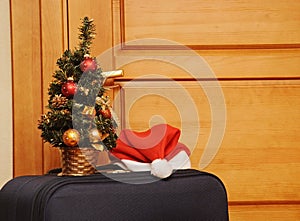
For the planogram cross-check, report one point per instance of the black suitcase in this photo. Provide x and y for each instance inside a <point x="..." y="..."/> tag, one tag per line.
<point x="185" y="195"/>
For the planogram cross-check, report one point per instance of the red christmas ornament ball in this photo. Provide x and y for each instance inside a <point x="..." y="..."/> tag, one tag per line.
<point x="69" y="88"/>
<point x="105" y="113"/>
<point x="88" y="64"/>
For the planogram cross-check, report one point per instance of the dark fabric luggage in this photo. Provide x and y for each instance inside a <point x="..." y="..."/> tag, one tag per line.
<point x="185" y="195"/>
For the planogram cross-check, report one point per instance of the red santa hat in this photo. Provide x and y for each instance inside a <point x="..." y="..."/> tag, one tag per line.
<point x="156" y="150"/>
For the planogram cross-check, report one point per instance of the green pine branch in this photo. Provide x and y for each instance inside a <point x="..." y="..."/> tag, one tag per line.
<point x="87" y="34"/>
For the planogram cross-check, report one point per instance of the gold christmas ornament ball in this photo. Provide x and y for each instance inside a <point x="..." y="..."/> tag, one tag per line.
<point x="71" y="137"/>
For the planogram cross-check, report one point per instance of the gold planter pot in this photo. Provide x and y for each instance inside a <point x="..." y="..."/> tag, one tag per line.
<point x="78" y="161"/>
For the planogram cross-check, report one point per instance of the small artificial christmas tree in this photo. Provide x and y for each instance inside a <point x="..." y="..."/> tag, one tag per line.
<point x="79" y="110"/>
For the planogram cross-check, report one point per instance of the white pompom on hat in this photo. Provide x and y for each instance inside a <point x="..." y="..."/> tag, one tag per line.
<point x="156" y="150"/>
<point x="161" y="168"/>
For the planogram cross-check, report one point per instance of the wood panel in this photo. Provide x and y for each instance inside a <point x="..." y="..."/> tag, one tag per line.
<point x="259" y="155"/>
<point x="27" y="97"/>
<point x="258" y="160"/>
<point x="219" y="24"/>
<point x="265" y="61"/>
<point x="255" y="64"/>
<point x="265" y="212"/>
<point x="54" y="42"/>
<point x="224" y="64"/>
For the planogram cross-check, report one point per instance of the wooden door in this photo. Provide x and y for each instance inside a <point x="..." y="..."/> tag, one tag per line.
<point x="253" y="50"/>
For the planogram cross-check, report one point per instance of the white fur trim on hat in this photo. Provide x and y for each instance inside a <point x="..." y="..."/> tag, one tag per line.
<point x="179" y="161"/>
